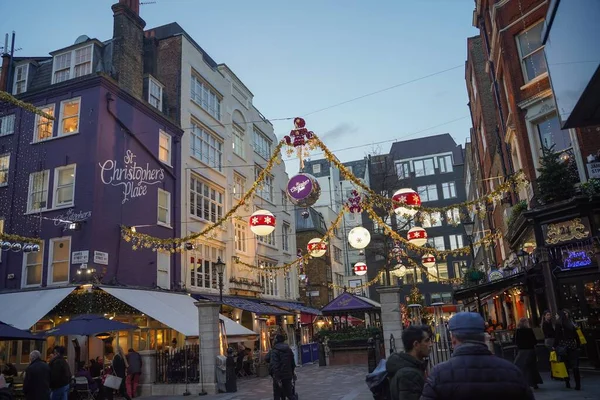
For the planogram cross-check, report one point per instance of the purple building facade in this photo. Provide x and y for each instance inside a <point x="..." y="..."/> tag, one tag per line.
<point x="109" y="158"/>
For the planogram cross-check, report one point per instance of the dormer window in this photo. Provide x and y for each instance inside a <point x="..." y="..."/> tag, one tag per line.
<point x="155" y="92"/>
<point x="20" y="85"/>
<point x="72" y="64"/>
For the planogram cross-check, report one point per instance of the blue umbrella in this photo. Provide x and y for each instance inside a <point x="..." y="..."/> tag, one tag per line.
<point x="9" y="332"/>
<point x="88" y="325"/>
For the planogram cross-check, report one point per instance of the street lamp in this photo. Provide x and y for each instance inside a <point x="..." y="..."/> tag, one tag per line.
<point x="469" y="227"/>
<point x="220" y="266"/>
<point x="523" y="257"/>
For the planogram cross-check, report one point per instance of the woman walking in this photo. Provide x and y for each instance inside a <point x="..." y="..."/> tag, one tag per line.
<point x="566" y="345"/>
<point x="526" y="358"/>
<point x="120" y="365"/>
<point x="548" y="330"/>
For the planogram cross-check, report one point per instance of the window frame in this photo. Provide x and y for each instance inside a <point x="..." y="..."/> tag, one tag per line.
<point x="285" y="236"/>
<point x="61" y="118"/>
<point x="52" y="261"/>
<point x="45" y="188"/>
<point x="427" y="190"/>
<point x="72" y="63"/>
<point x="523" y="56"/>
<point x="5" y="171"/>
<point x="153" y="81"/>
<point x="219" y="206"/>
<point x="163" y="134"/>
<point x="455" y="242"/>
<point x="4" y="125"/>
<point x="55" y="186"/>
<point x="422" y="161"/>
<point x="166" y="256"/>
<point x="404" y="167"/>
<point x="237" y="141"/>
<point x="166" y="223"/>
<point x="200" y="248"/>
<point x="240" y="236"/>
<point x="25" y="266"/>
<point x="268" y="288"/>
<point x="263" y="151"/>
<point x="451" y="186"/>
<point x="200" y="101"/>
<point x="443" y="160"/>
<point x="217" y="165"/>
<point x="49" y="109"/>
<point x="25" y="81"/>
<point x="267" y="184"/>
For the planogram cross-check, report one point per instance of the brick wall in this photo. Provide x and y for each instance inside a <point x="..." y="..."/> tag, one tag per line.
<point x="589" y="141"/>
<point x="316" y="271"/>
<point x="168" y="71"/>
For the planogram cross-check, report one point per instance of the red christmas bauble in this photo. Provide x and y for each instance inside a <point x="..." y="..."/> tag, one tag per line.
<point x="428" y="260"/>
<point x="417" y="236"/>
<point x="360" y="268"/>
<point x="262" y="222"/>
<point x="408" y="197"/>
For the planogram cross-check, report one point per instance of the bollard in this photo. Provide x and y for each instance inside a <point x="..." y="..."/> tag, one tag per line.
<point x="322" y="355"/>
<point x="371" y="357"/>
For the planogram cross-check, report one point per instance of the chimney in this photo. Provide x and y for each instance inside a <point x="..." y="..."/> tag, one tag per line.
<point x="4" y="73"/>
<point x="128" y="42"/>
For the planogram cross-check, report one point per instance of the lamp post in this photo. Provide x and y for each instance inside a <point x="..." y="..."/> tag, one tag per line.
<point x="469" y="227"/>
<point x="220" y="265"/>
<point x="523" y="257"/>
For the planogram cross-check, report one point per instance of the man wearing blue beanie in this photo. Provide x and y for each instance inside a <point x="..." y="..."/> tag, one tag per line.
<point x="473" y="372"/>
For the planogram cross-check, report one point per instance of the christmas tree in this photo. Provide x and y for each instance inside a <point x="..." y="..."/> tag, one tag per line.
<point x="415" y="297"/>
<point x="556" y="180"/>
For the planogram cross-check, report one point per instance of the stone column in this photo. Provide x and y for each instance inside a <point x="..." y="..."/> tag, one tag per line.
<point x="208" y="322"/>
<point x="391" y="318"/>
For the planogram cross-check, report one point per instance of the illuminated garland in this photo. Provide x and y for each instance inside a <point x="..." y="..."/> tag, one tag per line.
<point x="22" y="239"/>
<point x="142" y="240"/>
<point x="7" y="97"/>
<point x="412" y="264"/>
<point x="364" y="285"/>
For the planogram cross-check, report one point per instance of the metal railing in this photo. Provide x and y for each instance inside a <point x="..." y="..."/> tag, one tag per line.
<point x="178" y="365"/>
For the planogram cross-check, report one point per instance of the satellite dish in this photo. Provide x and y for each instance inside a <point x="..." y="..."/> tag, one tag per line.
<point x="82" y="39"/>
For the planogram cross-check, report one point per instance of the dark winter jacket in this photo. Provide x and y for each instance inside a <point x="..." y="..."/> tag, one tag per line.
<point x="406" y="376"/>
<point x="60" y="373"/>
<point x="119" y="367"/>
<point x="473" y="373"/>
<point x="36" y="384"/>
<point x="525" y="339"/>
<point x="282" y="364"/>
<point x="548" y="329"/>
<point x="135" y="363"/>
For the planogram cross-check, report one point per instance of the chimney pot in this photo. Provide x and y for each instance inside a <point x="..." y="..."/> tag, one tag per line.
<point x="133" y="5"/>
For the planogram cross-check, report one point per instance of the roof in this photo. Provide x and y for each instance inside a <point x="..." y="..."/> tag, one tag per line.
<point x="325" y="167"/>
<point x="424" y="146"/>
<point x="252" y="305"/>
<point x="348" y="302"/>
<point x="314" y="222"/>
<point x="359" y="168"/>
<point x="293" y="306"/>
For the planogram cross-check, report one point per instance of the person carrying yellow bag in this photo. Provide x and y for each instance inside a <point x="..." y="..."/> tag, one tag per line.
<point x="558" y="369"/>
<point x="567" y="346"/>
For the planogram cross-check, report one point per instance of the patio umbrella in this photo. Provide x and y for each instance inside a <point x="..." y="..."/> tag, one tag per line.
<point x="88" y="325"/>
<point x="9" y="332"/>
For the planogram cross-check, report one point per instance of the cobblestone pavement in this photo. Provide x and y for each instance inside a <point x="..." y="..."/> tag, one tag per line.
<point x="348" y="383"/>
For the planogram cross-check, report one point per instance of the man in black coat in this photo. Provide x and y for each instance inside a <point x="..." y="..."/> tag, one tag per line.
<point x="60" y="375"/>
<point x="36" y="384"/>
<point x="473" y="373"/>
<point x="282" y="366"/>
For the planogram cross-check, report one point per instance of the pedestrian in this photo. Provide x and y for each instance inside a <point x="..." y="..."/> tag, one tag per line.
<point x="119" y="366"/>
<point x="406" y="370"/>
<point x="473" y="373"/>
<point x="60" y="374"/>
<point x="134" y="359"/>
<point x="567" y="346"/>
<point x="36" y="385"/>
<point x="230" y="374"/>
<point x="283" y="368"/>
<point x="548" y="329"/>
<point x="526" y="359"/>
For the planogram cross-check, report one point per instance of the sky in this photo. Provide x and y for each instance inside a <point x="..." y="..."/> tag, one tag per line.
<point x="304" y="56"/>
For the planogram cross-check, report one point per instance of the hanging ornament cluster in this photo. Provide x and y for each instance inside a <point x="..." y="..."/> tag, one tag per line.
<point x="359" y="238"/>
<point x="299" y="137"/>
<point x="360" y="268"/>
<point x="353" y="202"/>
<point x="406" y="197"/>
<point x="16" y="247"/>
<point x="262" y="222"/>
<point x="303" y="190"/>
<point x="417" y="236"/>
<point x="316" y="247"/>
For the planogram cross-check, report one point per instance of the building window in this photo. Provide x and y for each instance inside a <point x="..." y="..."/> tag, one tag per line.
<point x="202" y="266"/>
<point x="164" y="147"/>
<point x="163" y="268"/>
<point x="531" y="51"/>
<point x="205" y="202"/>
<point x="459" y="267"/>
<point x="445" y="163"/>
<point x="474" y="85"/>
<point x="432" y="220"/>
<point x="32" y="265"/>
<point x="428" y="193"/>
<point x="424" y="167"/>
<point x="268" y="239"/>
<point x="20" y="85"/>
<point x="155" y="91"/>
<point x="284" y="201"/>
<point x="285" y="236"/>
<point x="64" y="186"/>
<point x="337" y="254"/>
<point x="438" y="273"/>
<point x="69" y="117"/>
<point x="4" y="169"/>
<point x="403" y="170"/>
<point x="72" y="64"/>
<point x="449" y="190"/>
<point x="266" y="191"/>
<point x="207" y="147"/>
<point x="239" y="185"/>
<point x="453" y="216"/>
<point x="203" y="95"/>
<point x="551" y="134"/>
<point x="60" y="251"/>
<point x="241" y="236"/>
<point x="37" y="199"/>
<point x="437" y="243"/>
<point x="164" y="208"/>
<point x="456" y="242"/>
<point x="238" y="140"/>
<point x="287" y="281"/>
<point x="268" y="279"/>
<point x="43" y="125"/>
<point x="262" y="144"/>
<point x="316" y="168"/>
<point x="7" y="125"/>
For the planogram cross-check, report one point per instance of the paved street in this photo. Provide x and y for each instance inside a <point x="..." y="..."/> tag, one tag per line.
<point x="348" y="383"/>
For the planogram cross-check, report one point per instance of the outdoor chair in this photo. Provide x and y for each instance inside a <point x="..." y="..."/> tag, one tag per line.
<point x="82" y="388"/>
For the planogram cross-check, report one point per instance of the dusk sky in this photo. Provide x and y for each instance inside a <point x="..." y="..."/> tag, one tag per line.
<point x="299" y="57"/>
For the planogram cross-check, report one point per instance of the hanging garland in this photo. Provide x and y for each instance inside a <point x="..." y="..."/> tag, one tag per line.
<point x="16" y="238"/>
<point x="412" y="264"/>
<point x="8" y="98"/>
<point x="364" y="285"/>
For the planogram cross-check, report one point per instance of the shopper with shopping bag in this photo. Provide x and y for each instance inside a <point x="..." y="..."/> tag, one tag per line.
<point x="558" y="369"/>
<point x="567" y="346"/>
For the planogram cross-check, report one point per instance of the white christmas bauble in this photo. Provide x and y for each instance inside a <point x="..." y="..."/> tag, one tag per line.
<point x="359" y="237"/>
<point x="360" y="268"/>
<point x="428" y="260"/>
<point x="262" y="222"/>
<point x="417" y="236"/>
<point x="316" y="248"/>
<point x="408" y="197"/>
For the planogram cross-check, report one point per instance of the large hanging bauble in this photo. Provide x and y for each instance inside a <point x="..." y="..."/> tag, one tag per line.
<point x="303" y="190"/>
<point x="16" y="247"/>
<point x="428" y="260"/>
<point x="408" y="197"/>
<point x="6" y="246"/>
<point x="35" y="248"/>
<point x="360" y="268"/>
<point x="399" y="271"/>
<point x="417" y="236"/>
<point x="316" y="247"/>
<point x="359" y="237"/>
<point x="262" y="222"/>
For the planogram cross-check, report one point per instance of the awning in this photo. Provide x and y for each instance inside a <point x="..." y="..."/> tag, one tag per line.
<point x="293" y="306"/>
<point x="245" y="304"/>
<point x="237" y="333"/>
<point x="447" y="308"/>
<point x="347" y="302"/>
<point x="23" y="309"/>
<point x="490" y="287"/>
